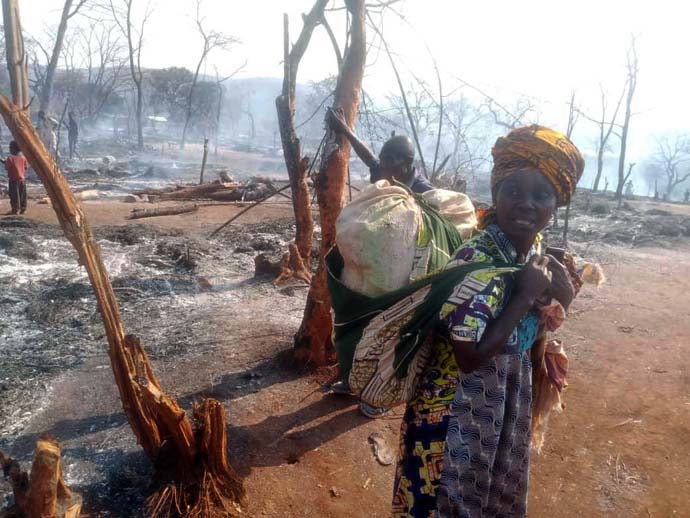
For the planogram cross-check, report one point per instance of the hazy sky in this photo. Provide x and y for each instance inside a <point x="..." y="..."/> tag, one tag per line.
<point x="537" y="48"/>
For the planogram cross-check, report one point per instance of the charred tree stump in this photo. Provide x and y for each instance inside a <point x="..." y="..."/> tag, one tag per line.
<point x="313" y="342"/>
<point x="193" y="476"/>
<point x="43" y="493"/>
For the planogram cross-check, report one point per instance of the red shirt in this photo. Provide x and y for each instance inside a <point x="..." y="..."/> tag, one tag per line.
<point x="16" y="166"/>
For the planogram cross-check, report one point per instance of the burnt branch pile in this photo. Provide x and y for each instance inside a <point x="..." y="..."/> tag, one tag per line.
<point x="219" y="190"/>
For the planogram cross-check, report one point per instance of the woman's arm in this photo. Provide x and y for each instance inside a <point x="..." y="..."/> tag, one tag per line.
<point x="530" y="283"/>
<point x="337" y="123"/>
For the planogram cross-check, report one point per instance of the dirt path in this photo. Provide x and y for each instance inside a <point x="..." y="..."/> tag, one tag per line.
<point x="620" y="449"/>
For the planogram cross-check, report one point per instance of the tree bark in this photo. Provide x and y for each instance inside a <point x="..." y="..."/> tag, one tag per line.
<point x="16" y="56"/>
<point x="313" y="343"/>
<point x="162" y="428"/>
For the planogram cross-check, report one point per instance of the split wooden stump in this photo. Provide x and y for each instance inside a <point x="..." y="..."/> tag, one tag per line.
<point x="42" y="493"/>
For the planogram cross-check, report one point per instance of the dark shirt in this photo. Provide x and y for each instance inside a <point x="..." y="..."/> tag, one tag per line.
<point x="419" y="184"/>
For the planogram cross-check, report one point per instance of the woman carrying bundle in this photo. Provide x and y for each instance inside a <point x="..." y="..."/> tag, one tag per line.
<point x="465" y="435"/>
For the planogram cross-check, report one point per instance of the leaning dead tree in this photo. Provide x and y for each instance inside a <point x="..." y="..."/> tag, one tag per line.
<point x="313" y="342"/>
<point x="189" y="454"/>
<point x="47" y="87"/>
<point x="43" y="491"/>
<point x="296" y="164"/>
<point x="16" y="55"/>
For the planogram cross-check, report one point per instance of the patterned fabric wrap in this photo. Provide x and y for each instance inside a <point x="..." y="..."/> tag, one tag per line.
<point x="383" y="342"/>
<point x="545" y="149"/>
<point x="463" y="432"/>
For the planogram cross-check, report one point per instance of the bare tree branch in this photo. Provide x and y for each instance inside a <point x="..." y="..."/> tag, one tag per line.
<point x="402" y="93"/>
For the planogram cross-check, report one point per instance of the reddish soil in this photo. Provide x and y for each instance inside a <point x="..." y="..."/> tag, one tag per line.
<point x="620" y="449"/>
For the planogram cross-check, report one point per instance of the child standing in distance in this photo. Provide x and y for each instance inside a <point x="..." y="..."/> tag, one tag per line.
<point x="16" y="166"/>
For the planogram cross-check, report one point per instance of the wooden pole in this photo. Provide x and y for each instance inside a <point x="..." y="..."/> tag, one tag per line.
<point x="203" y="162"/>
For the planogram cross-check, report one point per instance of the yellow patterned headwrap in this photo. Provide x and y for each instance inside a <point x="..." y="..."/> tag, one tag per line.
<point x="542" y="148"/>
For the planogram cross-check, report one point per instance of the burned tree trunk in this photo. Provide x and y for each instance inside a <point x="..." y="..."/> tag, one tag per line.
<point x="16" y="57"/>
<point x="285" y="105"/>
<point x="166" y="434"/>
<point x="313" y="343"/>
<point x="43" y="493"/>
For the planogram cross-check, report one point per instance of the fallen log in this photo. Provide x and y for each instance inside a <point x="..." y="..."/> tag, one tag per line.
<point x="43" y="493"/>
<point x="234" y="195"/>
<point x="198" y="191"/>
<point x="196" y="478"/>
<point x="162" y="211"/>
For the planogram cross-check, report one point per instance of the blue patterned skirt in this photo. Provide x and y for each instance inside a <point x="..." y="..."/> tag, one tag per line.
<point x="469" y="457"/>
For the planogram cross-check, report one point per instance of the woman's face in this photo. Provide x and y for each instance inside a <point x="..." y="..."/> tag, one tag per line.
<point x="525" y="203"/>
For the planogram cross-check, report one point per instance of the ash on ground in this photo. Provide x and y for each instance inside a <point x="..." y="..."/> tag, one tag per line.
<point x="184" y="297"/>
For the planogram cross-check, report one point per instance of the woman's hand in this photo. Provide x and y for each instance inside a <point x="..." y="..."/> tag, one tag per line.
<point x="534" y="279"/>
<point x="561" y="288"/>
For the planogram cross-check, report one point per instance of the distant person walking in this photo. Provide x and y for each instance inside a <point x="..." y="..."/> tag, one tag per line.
<point x="629" y="189"/>
<point x="72" y="134"/>
<point x="687" y="195"/>
<point x="16" y="166"/>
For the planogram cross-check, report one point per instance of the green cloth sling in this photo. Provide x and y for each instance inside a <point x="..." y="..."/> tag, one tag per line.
<point x="354" y="311"/>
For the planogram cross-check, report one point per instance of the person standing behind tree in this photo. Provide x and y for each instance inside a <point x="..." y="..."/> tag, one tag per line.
<point x="396" y="159"/>
<point x="16" y="166"/>
<point x="72" y="134"/>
